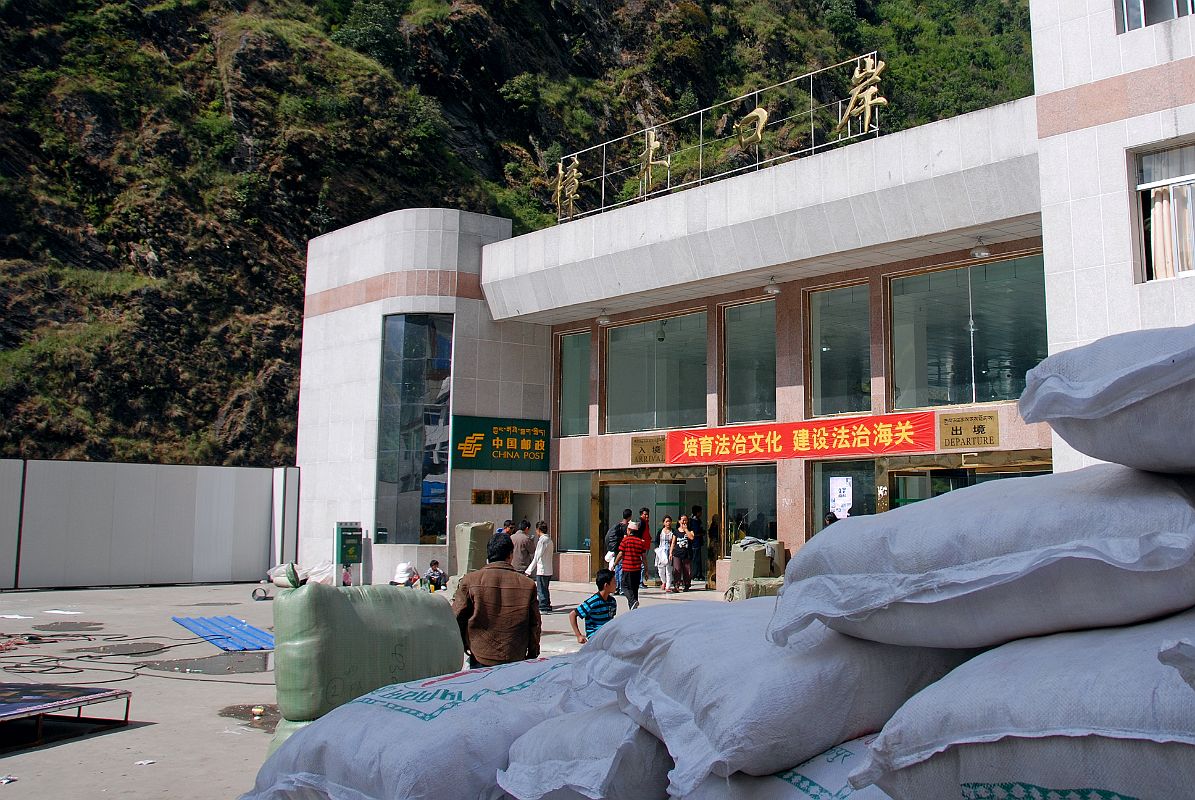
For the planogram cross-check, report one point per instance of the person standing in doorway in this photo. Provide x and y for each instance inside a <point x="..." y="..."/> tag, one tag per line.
<point x="541" y="566"/>
<point x="698" y="556"/>
<point x="524" y="547"/>
<point x="614" y="538"/>
<point x="682" y="556"/>
<point x="630" y="558"/>
<point x="645" y="532"/>
<point x="664" y="554"/>
<point x="496" y="609"/>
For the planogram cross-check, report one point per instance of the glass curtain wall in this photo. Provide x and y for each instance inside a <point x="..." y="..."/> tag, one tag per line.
<point x="572" y="506"/>
<point x="413" y="441"/>
<point x="750" y="503"/>
<point x="655" y="374"/>
<point x="846" y="487"/>
<point x="967" y="335"/>
<point x="840" y="350"/>
<point x="574" y="384"/>
<point x="750" y="380"/>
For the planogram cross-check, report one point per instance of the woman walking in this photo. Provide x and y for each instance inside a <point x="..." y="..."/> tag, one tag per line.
<point x="682" y="555"/>
<point x="664" y="554"/>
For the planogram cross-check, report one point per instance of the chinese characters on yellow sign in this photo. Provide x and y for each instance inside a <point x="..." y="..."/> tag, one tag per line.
<point x="842" y="436"/>
<point x="974" y="430"/>
<point x="647" y="449"/>
<point x="489" y="443"/>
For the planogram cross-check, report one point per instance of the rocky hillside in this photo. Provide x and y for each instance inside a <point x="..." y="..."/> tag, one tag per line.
<point x="163" y="164"/>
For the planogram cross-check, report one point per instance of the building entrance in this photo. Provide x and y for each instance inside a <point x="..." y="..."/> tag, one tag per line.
<point x="662" y="492"/>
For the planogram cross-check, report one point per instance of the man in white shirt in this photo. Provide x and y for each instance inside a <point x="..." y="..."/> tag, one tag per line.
<point x="541" y="565"/>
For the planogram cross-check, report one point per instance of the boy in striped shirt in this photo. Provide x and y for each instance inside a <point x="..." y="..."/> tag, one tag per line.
<point x="598" y="609"/>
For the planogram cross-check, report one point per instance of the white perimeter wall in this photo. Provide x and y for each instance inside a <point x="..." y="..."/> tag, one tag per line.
<point x="101" y="524"/>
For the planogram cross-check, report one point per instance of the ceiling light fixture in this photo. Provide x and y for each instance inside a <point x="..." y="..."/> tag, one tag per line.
<point x="980" y="250"/>
<point x="603" y="319"/>
<point x="771" y="289"/>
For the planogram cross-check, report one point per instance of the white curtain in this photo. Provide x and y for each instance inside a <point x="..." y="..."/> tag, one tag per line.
<point x="1184" y="227"/>
<point x="1162" y="233"/>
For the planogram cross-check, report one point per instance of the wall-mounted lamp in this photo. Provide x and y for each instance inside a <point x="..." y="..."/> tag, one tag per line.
<point x="603" y="319"/>
<point x="771" y="289"/>
<point x="660" y="333"/>
<point x="980" y="250"/>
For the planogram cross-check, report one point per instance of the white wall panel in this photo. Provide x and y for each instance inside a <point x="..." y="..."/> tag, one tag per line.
<point x="172" y="551"/>
<point x="215" y="519"/>
<point x="11" y="476"/>
<point x="130" y="558"/>
<point x="45" y="546"/>
<point x="252" y="506"/>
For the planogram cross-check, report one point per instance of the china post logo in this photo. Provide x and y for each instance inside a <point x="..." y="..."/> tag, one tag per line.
<point x="472" y="445"/>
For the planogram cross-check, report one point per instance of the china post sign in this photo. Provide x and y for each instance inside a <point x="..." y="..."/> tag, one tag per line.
<point x="493" y="443"/>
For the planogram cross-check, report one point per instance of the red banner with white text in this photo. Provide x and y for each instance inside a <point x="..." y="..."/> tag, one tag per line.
<point x="840" y="436"/>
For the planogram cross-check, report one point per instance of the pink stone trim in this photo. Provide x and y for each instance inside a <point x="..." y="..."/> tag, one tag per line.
<point x="410" y="283"/>
<point x="1144" y="91"/>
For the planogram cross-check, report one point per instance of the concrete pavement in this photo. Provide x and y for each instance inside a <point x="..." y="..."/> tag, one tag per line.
<point x="124" y="638"/>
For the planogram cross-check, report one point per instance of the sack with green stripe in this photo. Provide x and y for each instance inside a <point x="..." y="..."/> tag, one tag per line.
<point x="1092" y="715"/>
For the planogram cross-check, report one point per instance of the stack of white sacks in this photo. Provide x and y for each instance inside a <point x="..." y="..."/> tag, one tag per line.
<point x="1023" y="638"/>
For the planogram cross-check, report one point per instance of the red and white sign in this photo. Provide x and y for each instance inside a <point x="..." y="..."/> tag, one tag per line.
<point x="839" y="436"/>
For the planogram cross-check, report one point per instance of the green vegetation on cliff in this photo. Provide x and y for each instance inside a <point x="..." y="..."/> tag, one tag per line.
<point x="163" y="164"/>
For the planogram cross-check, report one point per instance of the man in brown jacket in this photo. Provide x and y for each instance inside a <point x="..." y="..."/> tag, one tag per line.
<point x="497" y="610"/>
<point x="524" y="546"/>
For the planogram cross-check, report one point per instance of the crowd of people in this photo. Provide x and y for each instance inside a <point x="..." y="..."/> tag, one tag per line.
<point x="498" y="610"/>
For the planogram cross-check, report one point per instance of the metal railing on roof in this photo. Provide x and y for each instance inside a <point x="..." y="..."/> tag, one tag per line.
<point x="794" y="118"/>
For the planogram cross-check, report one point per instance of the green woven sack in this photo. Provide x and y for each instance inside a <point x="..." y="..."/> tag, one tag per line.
<point x="471" y="539"/>
<point x="284" y="731"/>
<point x="746" y="588"/>
<point x="333" y="645"/>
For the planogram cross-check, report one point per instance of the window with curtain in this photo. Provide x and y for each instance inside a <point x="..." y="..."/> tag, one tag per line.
<point x="574" y="384"/>
<point x="1133" y="14"/>
<point x="1165" y="189"/>
<point x="655" y="374"/>
<point x="750" y="379"/>
<point x="967" y="335"/>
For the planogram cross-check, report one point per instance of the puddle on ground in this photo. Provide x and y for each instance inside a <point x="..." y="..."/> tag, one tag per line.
<point x="63" y="627"/>
<point x="223" y="664"/>
<point x="191" y="605"/>
<point x="266" y="721"/>
<point x="122" y="649"/>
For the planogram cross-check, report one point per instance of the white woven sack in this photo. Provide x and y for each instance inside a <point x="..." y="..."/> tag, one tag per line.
<point x="443" y="737"/>
<point x="702" y="678"/>
<point x="1125" y="398"/>
<point x="1091" y="713"/>
<point x="600" y="754"/>
<point x="1181" y="656"/>
<point x="1002" y="560"/>
<point x="823" y="777"/>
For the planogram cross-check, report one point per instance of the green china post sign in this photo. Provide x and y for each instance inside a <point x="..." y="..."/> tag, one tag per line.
<point x="494" y="443"/>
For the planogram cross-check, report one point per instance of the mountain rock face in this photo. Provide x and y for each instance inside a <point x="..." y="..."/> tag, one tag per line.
<point x="163" y="164"/>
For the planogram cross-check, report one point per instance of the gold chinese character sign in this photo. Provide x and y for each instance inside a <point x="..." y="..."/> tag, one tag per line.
<point x="567" y="189"/>
<point x="754" y="122"/>
<point x="865" y="93"/>
<point x="647" y="159"/>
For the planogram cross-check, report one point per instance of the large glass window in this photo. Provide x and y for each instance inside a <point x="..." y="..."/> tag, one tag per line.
<point x="750" y="503"/>
<point x="848" y="488"/>
<point x="574" y="384"/>
<point x="572" y="511"/>
<point x="1166" y="192"/>
<point x="655" y="374"/>
<point x="840" y="346"/>
<point x="412" y="479"/>
<point x="967" y="335"/>
<point x="751" y="362"/>
<point x="1133" y="14"/>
